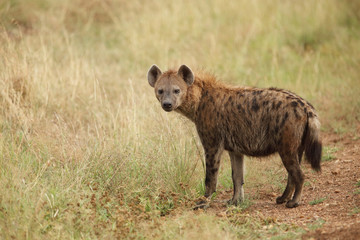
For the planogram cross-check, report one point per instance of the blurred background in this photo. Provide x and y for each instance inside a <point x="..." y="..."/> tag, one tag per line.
<point x="80" y="123"/>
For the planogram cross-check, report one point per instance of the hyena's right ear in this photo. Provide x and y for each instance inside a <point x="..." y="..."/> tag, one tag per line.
<point x="153" y="74"/>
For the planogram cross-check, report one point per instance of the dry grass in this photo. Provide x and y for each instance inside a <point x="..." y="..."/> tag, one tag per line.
<point x="86" y="151"/>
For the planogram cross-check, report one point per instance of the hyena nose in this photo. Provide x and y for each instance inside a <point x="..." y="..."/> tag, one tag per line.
<point x="167" y="106"/>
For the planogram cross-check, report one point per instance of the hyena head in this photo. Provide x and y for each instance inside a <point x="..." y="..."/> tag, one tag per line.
<point x="170" y="87"/>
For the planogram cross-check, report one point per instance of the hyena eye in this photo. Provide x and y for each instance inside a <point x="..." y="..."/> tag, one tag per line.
<point x="160" y="91"/>
<point x="177" y="91"/>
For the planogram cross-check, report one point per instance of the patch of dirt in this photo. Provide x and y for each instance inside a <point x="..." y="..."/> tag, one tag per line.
<point x="335" y="189"/>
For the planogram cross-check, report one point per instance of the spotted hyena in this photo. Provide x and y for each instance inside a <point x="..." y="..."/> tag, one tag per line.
<point x="243" y="121"/>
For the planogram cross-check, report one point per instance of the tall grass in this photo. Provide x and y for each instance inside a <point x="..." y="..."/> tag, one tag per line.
<point x="86" y="151"/>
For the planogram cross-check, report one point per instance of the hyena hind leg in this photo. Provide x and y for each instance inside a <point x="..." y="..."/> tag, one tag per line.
<point x="289" y="190"/>
<point x="296" y="177"/>
<point x="300" y="153"/>
<point x="290" y="187"/>
<point x="237" y="166"/>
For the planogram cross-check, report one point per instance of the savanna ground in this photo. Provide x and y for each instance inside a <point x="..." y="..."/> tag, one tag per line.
<point x="87" y="152"/>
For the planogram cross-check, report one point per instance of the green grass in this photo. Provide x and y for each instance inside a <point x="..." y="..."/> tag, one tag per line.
<point x="355" y="210"/>
<point x="328" y="153"/>
<point x="246" y="203"/>
<point x="317" y="201"/>
<point x="86" y="151"/>
<point x="307" y="183"/>
<point x="317" y="224"/>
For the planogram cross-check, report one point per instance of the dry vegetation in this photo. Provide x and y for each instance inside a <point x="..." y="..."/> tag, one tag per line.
<point x="87" y="152"/>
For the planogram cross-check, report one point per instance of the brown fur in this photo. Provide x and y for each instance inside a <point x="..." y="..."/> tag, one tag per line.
<point x="243" y="121"/>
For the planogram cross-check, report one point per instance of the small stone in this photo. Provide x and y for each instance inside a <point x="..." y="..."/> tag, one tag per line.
<point x="337" y="191"/>
<point x="221" y="214"/>
<point x="336" y="171"/>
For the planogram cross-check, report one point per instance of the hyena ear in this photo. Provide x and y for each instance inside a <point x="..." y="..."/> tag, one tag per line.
<point x="153" y="75"/>
<point x="185" y="73"/>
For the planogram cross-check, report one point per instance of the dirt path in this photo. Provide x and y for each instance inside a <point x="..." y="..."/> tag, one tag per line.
<point x="336" y="189"/>
<point x="338" y="183"/>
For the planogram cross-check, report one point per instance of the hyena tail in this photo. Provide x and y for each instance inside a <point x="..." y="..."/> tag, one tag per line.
<point x="313" y="146"/>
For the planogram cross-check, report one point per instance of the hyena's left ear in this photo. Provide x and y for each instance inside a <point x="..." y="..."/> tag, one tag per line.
<point x="153" y="75"/>
<point x="185" y="73"/>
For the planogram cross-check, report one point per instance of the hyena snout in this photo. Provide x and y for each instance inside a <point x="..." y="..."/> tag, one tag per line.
<point x="167" y="106"/>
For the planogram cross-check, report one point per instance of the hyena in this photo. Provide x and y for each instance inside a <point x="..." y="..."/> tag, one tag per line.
<point x="243" y="121"/>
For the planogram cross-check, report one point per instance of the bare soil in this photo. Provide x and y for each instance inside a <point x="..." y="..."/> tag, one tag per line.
<point x="337" y="210"/>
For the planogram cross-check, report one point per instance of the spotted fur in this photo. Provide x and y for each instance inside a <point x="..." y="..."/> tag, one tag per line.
<point x="243" y="121"/>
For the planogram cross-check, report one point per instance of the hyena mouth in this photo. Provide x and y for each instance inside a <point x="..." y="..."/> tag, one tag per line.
<point x="167" y="109"/>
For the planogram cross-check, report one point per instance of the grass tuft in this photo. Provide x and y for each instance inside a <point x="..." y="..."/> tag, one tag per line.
<point x="317" y="201"/>
<point x="328" y="153"/>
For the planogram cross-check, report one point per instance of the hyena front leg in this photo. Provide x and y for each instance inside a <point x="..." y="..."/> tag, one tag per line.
<point x="237" y="167"/>
<point x="212" y="158"/>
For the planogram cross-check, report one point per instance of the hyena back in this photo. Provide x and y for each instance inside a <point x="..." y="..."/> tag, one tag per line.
<point x="243" y="121"/>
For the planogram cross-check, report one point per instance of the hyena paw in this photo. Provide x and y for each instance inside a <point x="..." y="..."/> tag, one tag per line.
<point x="235" y="202"/>
<point x="202" y="204"/>
<point x="280" y="200"/>
<point x="292" y="204"/>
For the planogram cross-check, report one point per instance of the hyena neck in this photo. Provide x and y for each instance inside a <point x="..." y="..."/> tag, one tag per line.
<point x="189" y="106"/>
<point x="203" y="83"/>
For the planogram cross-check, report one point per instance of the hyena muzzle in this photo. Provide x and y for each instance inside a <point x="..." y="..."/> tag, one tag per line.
<point x="243" y="121"/>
